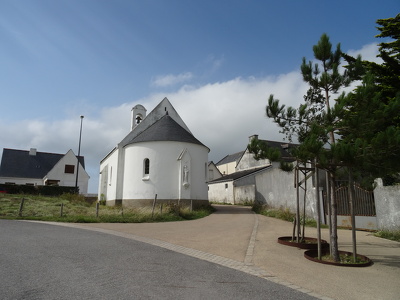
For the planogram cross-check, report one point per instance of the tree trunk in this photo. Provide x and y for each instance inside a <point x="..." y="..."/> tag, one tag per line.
<point x="298" y="205"/>
<point x="304" y="203"/>
<point x="329" y="213"/>
<point x="353" y="218"/>
<point x="318" y="209"/>
<point x="334" y="237"/>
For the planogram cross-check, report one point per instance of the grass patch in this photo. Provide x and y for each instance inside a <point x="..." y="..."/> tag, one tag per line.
<point x="393" y="235"/>
<point x="283" y="214"/>
<point x="345" y="259"/>
<point x="76" y="209"/>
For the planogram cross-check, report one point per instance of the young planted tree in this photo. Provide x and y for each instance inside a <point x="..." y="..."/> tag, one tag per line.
<point x="359" y="131"/>
<point x="313" y="123"/>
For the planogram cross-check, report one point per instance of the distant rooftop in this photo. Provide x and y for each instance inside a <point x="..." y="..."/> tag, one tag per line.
<point x="230" y="158"/>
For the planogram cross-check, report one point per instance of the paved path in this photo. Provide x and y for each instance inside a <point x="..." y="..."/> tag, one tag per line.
<point x="237" y="238"/>
<point x="42" y="261"/>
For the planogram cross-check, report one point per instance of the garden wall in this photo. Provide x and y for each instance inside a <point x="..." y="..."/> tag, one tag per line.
<point x="387" y="203"/>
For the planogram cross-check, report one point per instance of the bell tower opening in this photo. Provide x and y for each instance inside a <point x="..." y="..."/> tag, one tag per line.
<point x="138" y="114"/>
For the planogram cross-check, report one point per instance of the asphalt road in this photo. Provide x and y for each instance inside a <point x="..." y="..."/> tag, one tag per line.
<point x="41" y="261"/>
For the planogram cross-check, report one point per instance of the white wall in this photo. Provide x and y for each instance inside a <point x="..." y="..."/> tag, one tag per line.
<point x="221" y="192"/>
<point x="228" y="168"/>
<point x="387" y="204"/>
<point x="244" y="194"/>
<point x="247" y="161"/>
<point x="65" y="179"/>
<point x="276" y="189"/>
<point x="108" y="176"/>
<point x="213" y="172"/>
<point x="165" y="168"/>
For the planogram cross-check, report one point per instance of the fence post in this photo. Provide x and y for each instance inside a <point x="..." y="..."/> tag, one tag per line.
<point x="21" y="206"/>
<point x="154" y="205"/>
<point x="97" y="209"/>
<point x="61" y="209"/>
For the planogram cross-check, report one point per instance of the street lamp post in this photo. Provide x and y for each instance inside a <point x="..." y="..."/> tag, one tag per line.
<point x="77" y="161"/>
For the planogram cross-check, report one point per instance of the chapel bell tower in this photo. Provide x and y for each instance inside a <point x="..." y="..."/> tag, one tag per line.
<point x="138" y="114"/>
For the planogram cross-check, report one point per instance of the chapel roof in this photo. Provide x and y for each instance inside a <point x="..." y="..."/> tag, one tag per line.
<point x="19" y="163"/>
<point x="165" y="129"/>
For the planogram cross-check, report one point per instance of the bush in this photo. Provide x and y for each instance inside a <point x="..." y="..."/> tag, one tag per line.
<point x="46" y="190"/>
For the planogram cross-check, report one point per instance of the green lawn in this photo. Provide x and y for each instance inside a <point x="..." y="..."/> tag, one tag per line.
<point x="76" y="209"/>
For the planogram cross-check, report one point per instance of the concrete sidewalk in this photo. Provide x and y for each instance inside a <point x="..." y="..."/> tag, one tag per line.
<point x="236" y="237"/>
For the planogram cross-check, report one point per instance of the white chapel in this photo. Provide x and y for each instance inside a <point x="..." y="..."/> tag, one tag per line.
<point x="160" y="158"/>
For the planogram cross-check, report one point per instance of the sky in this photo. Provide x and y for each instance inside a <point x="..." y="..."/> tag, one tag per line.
<point x="217" y="61"/>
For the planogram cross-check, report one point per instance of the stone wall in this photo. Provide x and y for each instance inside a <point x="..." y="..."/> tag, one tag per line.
<point x="387" y="203"/>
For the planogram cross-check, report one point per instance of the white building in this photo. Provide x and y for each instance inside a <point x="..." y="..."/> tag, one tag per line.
<point x="159" y="157"/>
<point x="41" y="168"/>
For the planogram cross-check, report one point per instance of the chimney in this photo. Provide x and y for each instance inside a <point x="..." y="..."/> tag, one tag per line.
<point x="32" y="152"/>
<point x="254" y="136"/>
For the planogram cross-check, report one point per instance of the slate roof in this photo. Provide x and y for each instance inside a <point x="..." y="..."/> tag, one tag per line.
<point x="165" y="129"/>
<point x="238" y="175"/>
<point x="230" y="158"/>
<point x="284" y="148"/>
<point x="18" y="163"/>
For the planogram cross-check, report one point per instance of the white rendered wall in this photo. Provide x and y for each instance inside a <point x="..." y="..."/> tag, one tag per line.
<point x="221" y="192"/>
<point x="228" y="168"/>
<point x="165" y="168"/>
<point x="65" y="179"/>
<point x="247" y="161"/>
<point x="108" y="175"/>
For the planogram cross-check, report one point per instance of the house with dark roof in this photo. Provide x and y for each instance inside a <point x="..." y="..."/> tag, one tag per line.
<point x="159" y="158"/>
<point x="41" y="168"/>
<point x="243" y="172"/>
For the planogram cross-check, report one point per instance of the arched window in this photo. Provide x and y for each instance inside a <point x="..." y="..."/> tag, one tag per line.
<point x="146" y="166"/>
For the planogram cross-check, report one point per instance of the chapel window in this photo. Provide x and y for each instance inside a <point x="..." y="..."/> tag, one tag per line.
<point x="146" y="166"/>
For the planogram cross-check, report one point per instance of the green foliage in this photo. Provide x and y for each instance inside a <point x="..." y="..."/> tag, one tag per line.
<point x="261" y="150"/>
<point x="47" y="190"/>
<point x="393" y="235"/>
<point x="370" y="115"/>
<point x="282" y="213"/>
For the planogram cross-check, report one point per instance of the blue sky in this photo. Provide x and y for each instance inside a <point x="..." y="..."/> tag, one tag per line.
<point x="216" y="61"/>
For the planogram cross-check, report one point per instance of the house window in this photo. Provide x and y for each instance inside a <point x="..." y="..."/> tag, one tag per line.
<point x="226" y="186"/>
<point x="69" y="169"/>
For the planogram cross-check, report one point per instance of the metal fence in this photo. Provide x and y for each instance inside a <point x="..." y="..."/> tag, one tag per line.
<point x="364" y="202"/>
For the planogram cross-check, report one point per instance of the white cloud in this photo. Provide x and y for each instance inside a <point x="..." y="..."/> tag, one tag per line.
<point x="170" y="79"/>
<point x="222" y="115"/>
<point x="368" y="52"/>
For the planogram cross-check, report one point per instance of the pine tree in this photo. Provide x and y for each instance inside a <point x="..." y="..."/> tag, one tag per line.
<point x="313" y="123"/>
<point x="370" y="120"/>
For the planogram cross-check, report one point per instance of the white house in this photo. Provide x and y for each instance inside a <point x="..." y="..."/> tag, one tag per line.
<point x="159" y="157"/>
<point x="245" y="178"/>
<point x="41" y="168"/>
<point x="213" y="171"/>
